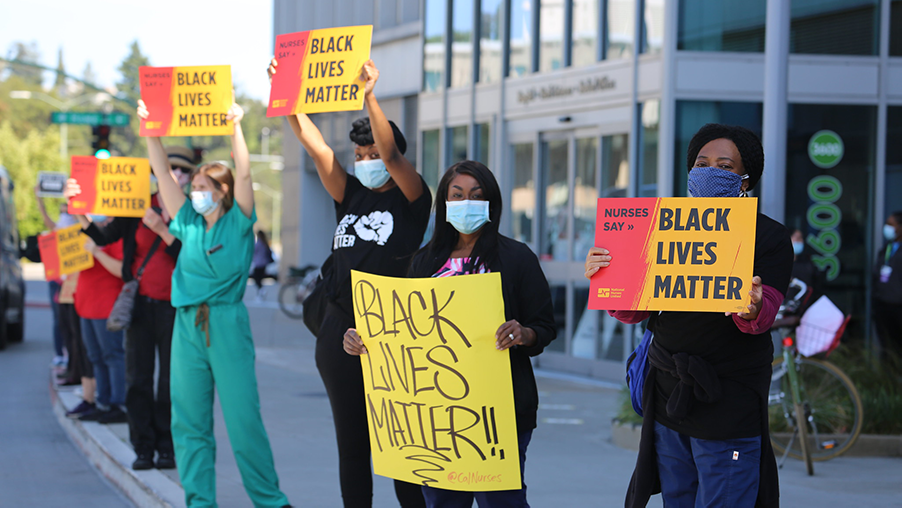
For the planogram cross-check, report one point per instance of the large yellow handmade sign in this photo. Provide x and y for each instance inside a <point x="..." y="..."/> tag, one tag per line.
<point x="675" y="254"/>
<point x="439" y="397"/>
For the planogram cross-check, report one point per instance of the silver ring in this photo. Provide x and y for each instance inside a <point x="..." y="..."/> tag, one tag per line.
<point x="511" y="336"/>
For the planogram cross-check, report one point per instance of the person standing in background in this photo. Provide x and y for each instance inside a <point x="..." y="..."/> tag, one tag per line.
<point x="149" y="337"/>
<point x="262" y="258"/>
<point x="888" y="287"/>
<point x="96" y="292"/>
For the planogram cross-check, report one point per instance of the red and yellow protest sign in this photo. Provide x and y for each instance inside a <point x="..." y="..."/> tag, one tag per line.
<point x="319" y="71"/>
<point x="63" y="252"/>
<point x="117" y="187"/>
<point x="439" y="396"/>
<point x="186" y="101"/>
<point x="675" y="254"/>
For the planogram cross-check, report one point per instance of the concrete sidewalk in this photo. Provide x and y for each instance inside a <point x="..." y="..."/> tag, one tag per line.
<point x="572" y="461"/>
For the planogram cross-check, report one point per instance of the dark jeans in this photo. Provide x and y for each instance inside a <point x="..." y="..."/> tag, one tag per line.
<point x="58" y="342"/>
<point x="258" y="275"/>
<point x="149" y="334"/>
<point x="888" y="322"/>
<point x="70" y="326"/>
<point x="441" y="498"/>
<point x="343" y="377"/>
<point x="701" y="473"/>
<point x="107" y="355"/>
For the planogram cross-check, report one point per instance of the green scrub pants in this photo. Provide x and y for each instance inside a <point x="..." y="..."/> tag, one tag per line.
<point x="228" y="363"/>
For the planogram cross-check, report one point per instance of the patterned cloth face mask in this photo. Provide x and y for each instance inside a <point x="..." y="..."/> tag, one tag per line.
<point x="715" y="183"/>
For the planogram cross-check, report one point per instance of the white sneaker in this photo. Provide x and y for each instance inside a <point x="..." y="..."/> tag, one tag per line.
<point x="58" y="361"/>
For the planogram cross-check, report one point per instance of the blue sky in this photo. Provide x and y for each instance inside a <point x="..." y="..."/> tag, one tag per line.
<point x="170" y="32"/>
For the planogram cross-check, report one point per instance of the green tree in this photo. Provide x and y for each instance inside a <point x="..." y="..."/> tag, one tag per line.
<point x="60" y="83"/>
<point x="24" y="156"/>
<point x="25" y="52"/>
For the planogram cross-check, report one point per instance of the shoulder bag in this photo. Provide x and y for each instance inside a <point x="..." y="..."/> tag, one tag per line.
<point x="121" y="315"/>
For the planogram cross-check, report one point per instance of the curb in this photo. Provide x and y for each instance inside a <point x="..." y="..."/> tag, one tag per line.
<point x="112" y="459"/>
<point x="867" y="445"/>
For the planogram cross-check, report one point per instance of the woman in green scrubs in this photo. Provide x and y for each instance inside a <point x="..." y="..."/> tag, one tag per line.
<point x="212" y="341"/>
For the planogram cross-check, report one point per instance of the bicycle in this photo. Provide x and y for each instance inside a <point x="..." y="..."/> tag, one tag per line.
<point x="296" y="289"/>
<point x="814" y="409"/>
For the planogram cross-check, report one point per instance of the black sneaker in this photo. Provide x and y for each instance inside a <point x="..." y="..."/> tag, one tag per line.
<point x="165" y="460"/>
<point x="91" y="415"/>
<point x="80" y="409"/>
<point x="114" y="415"/>
<point x="144" y="461"/>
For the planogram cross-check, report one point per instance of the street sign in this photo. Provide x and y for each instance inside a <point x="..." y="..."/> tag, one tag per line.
<point x="90" y="118"/>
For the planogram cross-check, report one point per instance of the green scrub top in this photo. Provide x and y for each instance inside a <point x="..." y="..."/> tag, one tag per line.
<point x="218" y="277"/>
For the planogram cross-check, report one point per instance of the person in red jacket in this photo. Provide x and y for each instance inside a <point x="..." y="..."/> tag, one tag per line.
<point x="96" y="292"/>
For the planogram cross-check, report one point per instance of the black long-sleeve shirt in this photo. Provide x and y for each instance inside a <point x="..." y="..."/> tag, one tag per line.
<point x="527" y="299"/>
<point x="125" y="228"/>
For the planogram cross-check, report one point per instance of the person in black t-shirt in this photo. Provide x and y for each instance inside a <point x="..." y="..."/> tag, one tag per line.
<point x="705" y="438"/>
<point x="382" y="212"/>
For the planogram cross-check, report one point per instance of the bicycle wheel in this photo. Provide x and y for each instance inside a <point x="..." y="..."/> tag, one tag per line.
<point x="833" y="412"/>
<point x="290" y="300"/>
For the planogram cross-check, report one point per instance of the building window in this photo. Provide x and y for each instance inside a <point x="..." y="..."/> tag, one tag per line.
<point x="727" y="25"/>
<point x="692" y="115"/>
<point x="621" y="29"/>
<point x="838" y="27"/>
<point x="652" y="26"/>
<point x="648" y="149"/>
<point x="555" y="234"/>
<point x="490" y="45"/>
<point x="483" y="144"/>
<point x="457" y="149"/>
<point x="431" y="169"/>
<point x="551" y="35"/>
<point x="388" y="13"/>
<point x="410" y="11"/>
<point x="895" y="28"/>
<point x="615" y="166"/>
<point x="462" y="43"/>
<point x="831" y="204"/>
<point x="434" y="46"/>
<point x="523" y="197"/>
<point x="584" y="43"/>
<point x="585" y="196"/>
<point x="893" y="184"/>
<point x="521" y="38"/>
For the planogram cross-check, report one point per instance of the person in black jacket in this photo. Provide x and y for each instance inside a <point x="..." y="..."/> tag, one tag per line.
<point x="888" y="287"/>
<point x="705" y="439"/>
<point x="147" y="240"/>
<point x="466" y="241"/>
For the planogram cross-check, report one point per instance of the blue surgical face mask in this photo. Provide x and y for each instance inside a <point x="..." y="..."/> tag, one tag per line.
<point x="715" y="183"/>
<point x="889" y="232"/>
<point x="97" y="218"/>
<point x="371" y="173"/>
<point x="798" y="247"/>
<point x="467" y="216"/>
<point x="203" y="203"/>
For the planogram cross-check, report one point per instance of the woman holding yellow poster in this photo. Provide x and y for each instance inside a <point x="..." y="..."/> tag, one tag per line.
<point x="212" y="335"/>
<point x="705" y="438"/>
<point x="466" y="241"/>
<point x="381" y="213"/>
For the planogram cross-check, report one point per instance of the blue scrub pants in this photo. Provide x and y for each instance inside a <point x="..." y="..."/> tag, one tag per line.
<point x="701" y="473"/>
<point x="227" y="363"/>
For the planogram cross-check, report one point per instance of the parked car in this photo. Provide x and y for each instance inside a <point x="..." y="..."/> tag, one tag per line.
<point x="12" y="286"/>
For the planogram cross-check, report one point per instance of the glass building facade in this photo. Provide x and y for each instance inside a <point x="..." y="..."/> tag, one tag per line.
<point x="570" y="100"/>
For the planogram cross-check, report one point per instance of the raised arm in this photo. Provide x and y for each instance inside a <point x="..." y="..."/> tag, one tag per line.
<point x="170" y="191"/>
<point x="244" y="184"/>
<point x="49" y="224"/>
<point x="400" y="169"/>
<point x="330" y="172"/>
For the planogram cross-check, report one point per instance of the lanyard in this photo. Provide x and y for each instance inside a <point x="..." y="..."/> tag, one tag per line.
<point x="889" y="252"/>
